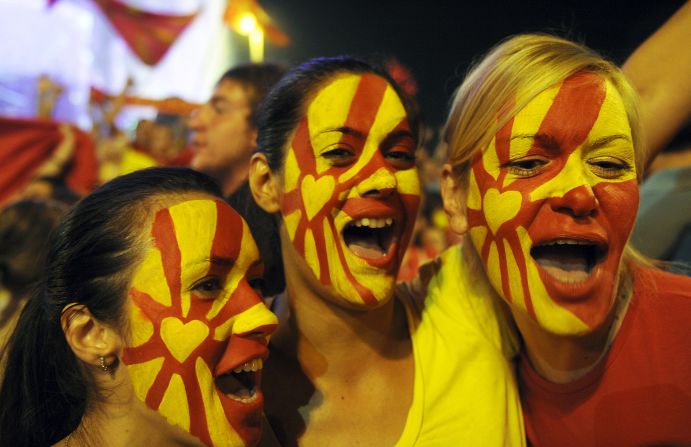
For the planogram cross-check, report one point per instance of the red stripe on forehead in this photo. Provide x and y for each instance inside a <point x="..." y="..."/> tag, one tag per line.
<point x="574" y="110"/>
<point x="302" y="145"/>
<point x="228" y="236"/>
<point x="163" y="232"/>
<point x="366" y="102"/>
<point x="503" y="147"/>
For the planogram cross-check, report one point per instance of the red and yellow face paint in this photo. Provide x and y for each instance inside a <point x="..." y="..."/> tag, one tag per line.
<point x="194" y="319"/>
<point x="552" y="201"/>
<point x="351" y="187"/>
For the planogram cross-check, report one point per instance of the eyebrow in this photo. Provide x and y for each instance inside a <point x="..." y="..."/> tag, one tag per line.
<point x="546" y="141"/>
<point x="345" y="130"/>
<point x="360" y="135"/>
<point x="218" y="99"/>
<point x="221" y="261"/>
<point x="604" y="141"/>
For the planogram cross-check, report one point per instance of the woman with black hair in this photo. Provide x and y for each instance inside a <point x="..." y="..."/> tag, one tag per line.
<point x="353" y="362"/>
<point x="145" y="308"/>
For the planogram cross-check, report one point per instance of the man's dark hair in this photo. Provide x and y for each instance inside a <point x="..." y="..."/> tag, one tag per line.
<point x="256" y="80"/>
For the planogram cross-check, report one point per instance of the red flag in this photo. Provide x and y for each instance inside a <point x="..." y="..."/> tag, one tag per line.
<point x="26" y="144"/>
<point x="148" y="35"/>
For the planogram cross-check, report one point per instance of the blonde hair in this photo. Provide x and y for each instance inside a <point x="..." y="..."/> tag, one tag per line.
<point x="527" y="64"/>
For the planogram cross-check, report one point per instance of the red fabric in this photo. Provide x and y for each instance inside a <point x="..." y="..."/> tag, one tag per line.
<point x="26" y="144"/>
<point x="184" y="158"/>
<point x="148" y="35"/>
<point x="172" y="106"/>
<point x="640" y="394"/>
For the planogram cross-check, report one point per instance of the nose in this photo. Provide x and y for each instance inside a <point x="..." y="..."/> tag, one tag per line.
<point x="579" y="202"/>
<point x="196" y="118"/>
<point x="382" y="183"/>
<point x="256" y="322"/>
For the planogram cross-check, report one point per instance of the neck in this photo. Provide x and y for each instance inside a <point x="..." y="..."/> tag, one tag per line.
<point x="235" y="180"/>
<point x="331" y="340"/>
<point x="565" y="358"/>
<point x="122" y="420"/>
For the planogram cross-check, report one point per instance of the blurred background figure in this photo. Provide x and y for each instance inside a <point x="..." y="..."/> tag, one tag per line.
<point x="25" y="226"/>
<point x="225" y="128"/>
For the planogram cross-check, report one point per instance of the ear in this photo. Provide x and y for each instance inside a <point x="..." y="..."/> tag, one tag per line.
<point x="263" y="184"/>
<point x="89" y="338"/>
<point x="454" y="196"/>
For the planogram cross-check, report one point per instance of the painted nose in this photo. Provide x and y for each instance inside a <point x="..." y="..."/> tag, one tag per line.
<point x="579" y="202"/>
<point x="257" y="321"/>
<point x="381" y="183"/>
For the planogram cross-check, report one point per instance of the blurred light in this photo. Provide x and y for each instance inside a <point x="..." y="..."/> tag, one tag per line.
<point x="247" y="24"/>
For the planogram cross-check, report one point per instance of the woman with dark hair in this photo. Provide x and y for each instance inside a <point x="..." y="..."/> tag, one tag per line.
<point x="337" y="187"/>
<point x="145" y="307"/>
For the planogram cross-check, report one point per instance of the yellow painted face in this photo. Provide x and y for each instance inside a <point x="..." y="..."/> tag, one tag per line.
<point x="352" y="190"/>
<point x="194" y="319"/>
<point x="552" y="202"/>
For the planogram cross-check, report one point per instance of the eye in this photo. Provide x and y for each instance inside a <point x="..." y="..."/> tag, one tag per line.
<point x="401" y="157"/>
<point x="526" y="167"/>
<point x="609" y="167"/>
<point x="339" y="156"/>
<point x="207" y="288"/>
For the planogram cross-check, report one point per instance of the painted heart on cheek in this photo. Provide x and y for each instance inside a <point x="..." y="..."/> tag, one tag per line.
<point x="182" y="338"/>
<point x="500" y="207"/>
<point x="315" y="193"/>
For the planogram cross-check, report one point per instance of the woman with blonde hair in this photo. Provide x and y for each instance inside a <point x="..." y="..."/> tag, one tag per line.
<point x="546" y="155"/>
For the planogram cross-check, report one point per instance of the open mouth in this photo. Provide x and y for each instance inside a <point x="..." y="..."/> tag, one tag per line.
<point x="369" y="238"/>
<point x="569" y="260"/>
<point x="242" y="383"/>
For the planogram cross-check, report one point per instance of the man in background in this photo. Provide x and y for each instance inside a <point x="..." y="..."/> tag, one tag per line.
<point x="224" y="129"/>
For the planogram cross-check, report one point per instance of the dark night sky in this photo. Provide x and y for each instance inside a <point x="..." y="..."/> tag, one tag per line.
<point x="438" y="39"/>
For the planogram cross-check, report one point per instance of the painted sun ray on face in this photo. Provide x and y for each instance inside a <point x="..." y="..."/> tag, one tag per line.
<point x="163" y="233"/>
<point x="520" y="259"/>
<point x="223" y="267"/>
<point x="568" y="125"/>
<point x="354" y="113"/>
<point x="375" y="96"/>
<point x="337" y="259"/>
<point x="160" y="393"/>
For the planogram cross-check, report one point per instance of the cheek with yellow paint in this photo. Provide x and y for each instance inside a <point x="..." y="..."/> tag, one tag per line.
<point x="187" y="297"/>
<point x="526" y="188"/>
<point x="327" y="167"/>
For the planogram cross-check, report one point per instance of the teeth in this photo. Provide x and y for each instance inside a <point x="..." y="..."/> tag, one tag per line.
<point x="251" y="366"/>
<point x="373" y="223"/>
<point x="568" y="242"/>
<point x="245" y="400"/>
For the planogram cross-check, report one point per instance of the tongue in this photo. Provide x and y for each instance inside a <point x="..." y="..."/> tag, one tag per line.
<point x="564" y="264"/>
<point x="367" y="248"/>
<point x="231" y="384"/>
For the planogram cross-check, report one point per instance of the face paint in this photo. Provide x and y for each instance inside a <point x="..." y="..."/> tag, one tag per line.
<point x="352" y="190"/>
<point x="552" y="201"/>
<point x="195" y="319"/>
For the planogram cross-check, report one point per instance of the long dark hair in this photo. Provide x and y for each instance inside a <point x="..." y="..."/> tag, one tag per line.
<point x="45" y="390"/>
<point x="24" y="229"/>
<point x="279" y="115"/>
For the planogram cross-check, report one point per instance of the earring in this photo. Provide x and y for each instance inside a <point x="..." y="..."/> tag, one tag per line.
<point x="102" y="364"/>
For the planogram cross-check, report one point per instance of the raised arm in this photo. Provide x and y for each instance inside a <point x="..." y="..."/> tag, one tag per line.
<point x="660" y="68"/>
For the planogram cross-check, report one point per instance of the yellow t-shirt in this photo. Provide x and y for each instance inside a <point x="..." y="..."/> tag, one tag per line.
<point x="465" y="392"/>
